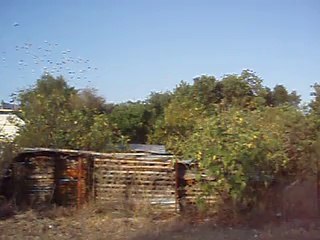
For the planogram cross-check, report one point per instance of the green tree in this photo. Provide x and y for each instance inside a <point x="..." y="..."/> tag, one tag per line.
<point x="315" y="103"/>
<point x="133" y="120"/>
<point x="179" y="118"/>
<point x="59" y="116"/>
<point x="157" y="102"/>
<point x="281" y="96"/>
<point x="207" y="91"/>
<point x="314" y="116"/>
<point x="89" y="99"/>
<point x="207" y="96"/>
<point x="246" y="151"/>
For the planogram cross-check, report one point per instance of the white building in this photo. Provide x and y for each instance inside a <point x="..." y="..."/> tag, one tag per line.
<point x="9" y="124"/>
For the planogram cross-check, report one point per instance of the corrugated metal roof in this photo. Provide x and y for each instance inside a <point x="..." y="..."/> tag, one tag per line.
<point x="136" y="148"/>
<point x="139" y="155"/>
<point x="148" y="148"/>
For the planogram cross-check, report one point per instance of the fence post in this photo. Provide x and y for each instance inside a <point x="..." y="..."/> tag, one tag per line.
<point x="79" y="183"/>
<point x="176" y="172"/>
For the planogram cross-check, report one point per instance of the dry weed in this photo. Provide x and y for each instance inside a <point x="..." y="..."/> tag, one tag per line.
<point x="99" y="221"/>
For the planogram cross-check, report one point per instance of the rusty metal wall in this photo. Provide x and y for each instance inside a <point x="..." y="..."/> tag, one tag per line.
<point x="136" y="179"/>
<point x="34" y="179"/>
<point x="73" y="178"/>
<point x="45" y="177"/>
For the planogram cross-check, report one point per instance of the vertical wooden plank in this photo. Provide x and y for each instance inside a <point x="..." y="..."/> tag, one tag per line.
<point x="176" y="172"/>
<point x="94" y="178"/>
<point x="79" y="183"/>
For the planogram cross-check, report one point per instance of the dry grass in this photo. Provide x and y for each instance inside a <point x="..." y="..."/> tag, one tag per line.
<point x="63" y="224"/>
<point x="209" y="231"/>
<point x="110" y="222"/>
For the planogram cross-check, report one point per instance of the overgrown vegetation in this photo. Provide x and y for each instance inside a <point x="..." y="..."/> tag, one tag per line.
<point x="59" y="116"/>
<point x="241" y="133"/>
<point x="7" y="152"/>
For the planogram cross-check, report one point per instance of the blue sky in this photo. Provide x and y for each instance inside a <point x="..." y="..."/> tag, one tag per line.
<point x="126" y="49"/>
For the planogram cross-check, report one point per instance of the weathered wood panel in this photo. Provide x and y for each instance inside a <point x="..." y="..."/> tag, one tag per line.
<point x="136" y="179"/>
<point x="189" y="187"/>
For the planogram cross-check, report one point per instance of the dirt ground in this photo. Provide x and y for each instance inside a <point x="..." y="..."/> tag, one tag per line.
<point x="95" y="224"/>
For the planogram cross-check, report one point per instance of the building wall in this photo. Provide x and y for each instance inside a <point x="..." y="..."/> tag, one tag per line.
<point x="9" y="123"/>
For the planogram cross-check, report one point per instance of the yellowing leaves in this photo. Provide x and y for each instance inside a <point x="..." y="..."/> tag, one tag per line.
<point x="199" y="155"/>
<point x="249" y="145"/>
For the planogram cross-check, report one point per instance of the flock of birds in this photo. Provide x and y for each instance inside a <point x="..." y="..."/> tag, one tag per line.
<point x="48" y="58"/>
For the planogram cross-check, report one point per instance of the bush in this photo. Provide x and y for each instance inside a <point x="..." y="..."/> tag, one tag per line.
<point x="246" y="152"/>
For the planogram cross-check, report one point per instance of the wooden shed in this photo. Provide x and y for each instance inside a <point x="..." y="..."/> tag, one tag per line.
<point x="70" y="178"/>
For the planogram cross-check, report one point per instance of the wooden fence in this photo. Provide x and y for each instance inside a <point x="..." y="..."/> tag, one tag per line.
<point x="136" y="178"/>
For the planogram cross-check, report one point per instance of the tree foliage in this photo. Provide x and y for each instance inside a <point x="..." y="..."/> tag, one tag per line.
<point x="138" y="120"/>
<point x="132" y="120"/>
<point x="246" y="151"/>
<point x="241" y="133"/>
<point x="59" y="116"/>
<point x="244" y="135"/>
